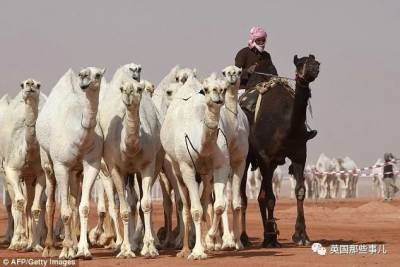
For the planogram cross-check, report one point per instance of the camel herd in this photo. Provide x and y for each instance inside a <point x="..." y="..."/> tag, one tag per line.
<point x="121" y="136"/>
<point x="328" y="178"/>
<point x="120" y="133"/>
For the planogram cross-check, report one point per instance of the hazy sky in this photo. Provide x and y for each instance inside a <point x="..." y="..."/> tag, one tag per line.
<point x="355" y="98"/>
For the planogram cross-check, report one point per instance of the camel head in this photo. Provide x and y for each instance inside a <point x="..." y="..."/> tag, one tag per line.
<point x="131" y="93"/>
<point x="30" y="90"/>
<point x="214" y="91"/>
<point x="183" y="75"/>
<point x="90" y="79"/>
<point x="171" y="91"/>
<point x="307" y="68"/>
<point x="134" y="71"/>
<point x="232" y="74"/>
<point x="149" y="87"/>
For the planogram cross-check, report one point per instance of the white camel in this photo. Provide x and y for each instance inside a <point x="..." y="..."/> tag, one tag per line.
<point x="189" y="136"/>
<point x="310" y="183"/>
<point x="148" y="87"/>
<point x="71" y="145"/>
<point x="128" y="119"/>
<point x="346" y="171"/>
<point x="4" y="101"/>
<point x="254" y="182"/>
<point x="377" y="176"/>
<point x="234" y="128"/>
<point x="327" y="182"/>
<point x="20" y="155"/>
<point x="164" y="94"/>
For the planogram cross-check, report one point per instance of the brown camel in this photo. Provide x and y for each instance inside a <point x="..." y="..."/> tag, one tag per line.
<point x="278" y="131"/>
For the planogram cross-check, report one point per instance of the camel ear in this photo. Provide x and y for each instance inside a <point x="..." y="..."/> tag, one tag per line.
<point x="195" y="73"/>
<point x="311" y="56"/>
<point x="295" y="60"/>
<point x="103" y="70"/>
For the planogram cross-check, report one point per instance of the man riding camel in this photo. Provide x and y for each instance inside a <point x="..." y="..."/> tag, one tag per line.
<point x="255" y="61"/>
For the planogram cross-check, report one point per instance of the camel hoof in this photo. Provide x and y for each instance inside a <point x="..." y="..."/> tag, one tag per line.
<point x="126" y="254"/>
<point x="239" y="245"/>
<point x="149" y="250"/>
<point x="245" y="240"/>
<point x="271" y="242"/>
<point x="49" y="252"/>
<point x="67" y="254"/>
<point x="301" y="239"/>
<point x="83" y="252"/>
<point x="197" y="254"/>
<point x="228" y="241"/>
<point x="184" y="253"/>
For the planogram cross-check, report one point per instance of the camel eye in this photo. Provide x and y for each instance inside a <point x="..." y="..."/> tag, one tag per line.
<point x="22" y="85"/>
<point x="140" y="89"/>
<point x="98" y="76"/>
<point x="121" y="89"/>
<point x="38" y="86"/>
<point x="206" y="89"/>
<point x="223" y="73"/>
<point x="239" y="73"/>
<point x="139" y="69"/>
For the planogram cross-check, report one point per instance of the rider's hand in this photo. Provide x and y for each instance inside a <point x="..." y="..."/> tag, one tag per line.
<point x="252" y="68"/>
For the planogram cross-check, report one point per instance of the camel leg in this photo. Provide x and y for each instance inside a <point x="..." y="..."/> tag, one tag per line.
<point x="49" y="249"/>
<point x="238" y="172"/>
<point x="29" y="195"/>
<point x="266" y="202"/>
<point x="73" y="202"/>
<point x="19" y="240"/>
<point x="300" y="236"/>
<point x="62" y="176"/>
<point x="244" y="238"/>
<point x="172" y="180"/>
<point x="186" y="219"/>
<point x="149" y="249"/>
<point x="39" y="187"/>
<point x="95" y="233"/>
<point x="91" y="169"/>
<point x="136" y="217"/>
<point x="119" y="182"/>
<point x="167" y="204"/>
<point x="220" y="180"/>
<point x="109" y="190"/>
<point x="196" y="210"/>
<point x="10" y="220"/>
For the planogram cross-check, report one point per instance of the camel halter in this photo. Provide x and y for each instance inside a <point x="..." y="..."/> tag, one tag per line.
<point x="197" y="175"/>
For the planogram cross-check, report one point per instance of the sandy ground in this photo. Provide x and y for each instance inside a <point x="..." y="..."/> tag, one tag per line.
<point x="361" y="221"/>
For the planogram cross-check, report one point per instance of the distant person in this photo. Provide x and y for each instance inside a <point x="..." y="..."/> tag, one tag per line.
<point x="390" y="188"/>
<point x="253" y="59"/>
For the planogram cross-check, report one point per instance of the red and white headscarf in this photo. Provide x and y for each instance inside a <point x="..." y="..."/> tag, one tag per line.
<point x="255" y="33"/>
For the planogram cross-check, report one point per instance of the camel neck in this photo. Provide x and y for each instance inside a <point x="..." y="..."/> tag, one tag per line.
<point x="89" y="113"/>
<point x="231" y="98"/>
<point x="210" y="129"/>
<point x="31" y="114"/>
<point x="131" y="130"/>
<point x="302" y="94"/>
